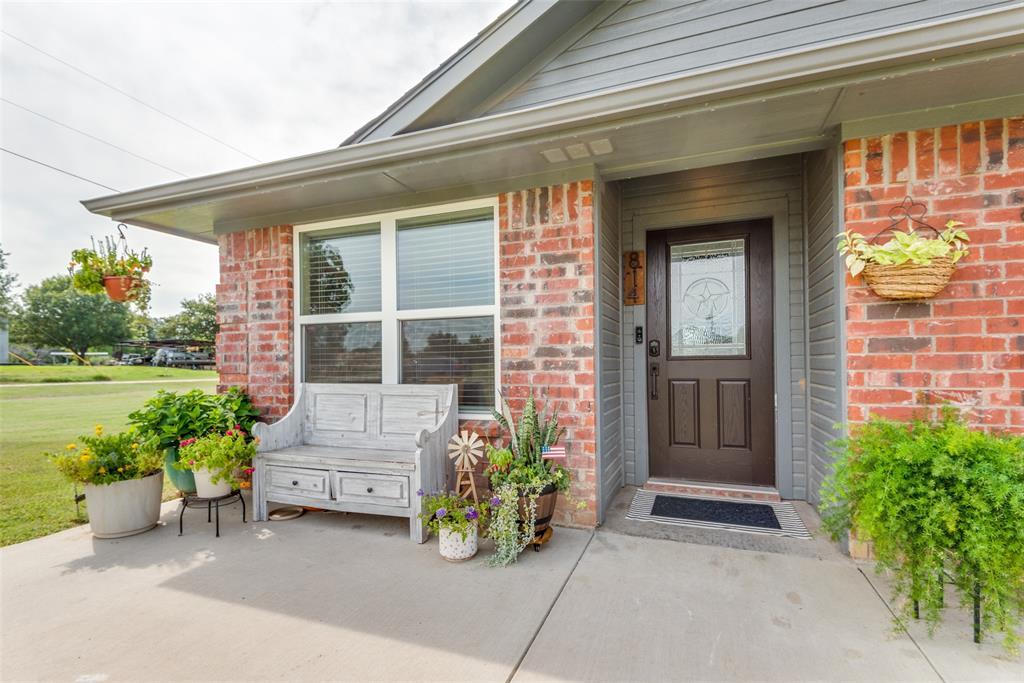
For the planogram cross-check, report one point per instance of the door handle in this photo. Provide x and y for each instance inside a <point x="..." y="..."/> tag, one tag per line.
<point x="654" y="381"/>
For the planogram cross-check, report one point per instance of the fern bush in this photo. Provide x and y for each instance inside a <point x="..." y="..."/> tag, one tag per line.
<point x="937" y="500"/>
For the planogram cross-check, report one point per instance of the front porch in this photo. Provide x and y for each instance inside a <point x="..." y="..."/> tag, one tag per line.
<point x="306" y="600"/>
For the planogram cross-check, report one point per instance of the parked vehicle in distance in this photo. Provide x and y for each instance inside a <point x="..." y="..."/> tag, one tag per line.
<point x="131" y="359"/>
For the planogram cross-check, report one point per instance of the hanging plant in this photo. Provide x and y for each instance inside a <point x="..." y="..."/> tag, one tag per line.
<point x="912" y="264"/>
<point x="111" y="267"/>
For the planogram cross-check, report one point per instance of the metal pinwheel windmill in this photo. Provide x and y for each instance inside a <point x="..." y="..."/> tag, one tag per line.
<point x="466" y="449"/>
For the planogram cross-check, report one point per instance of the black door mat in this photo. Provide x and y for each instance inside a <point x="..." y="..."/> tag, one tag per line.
<point x="775" y="519"/>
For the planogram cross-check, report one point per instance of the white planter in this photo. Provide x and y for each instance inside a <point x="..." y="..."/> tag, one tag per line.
<point x="124" y="508"/>
<point x="456" y="549"/>
<point x="206" y="488"/>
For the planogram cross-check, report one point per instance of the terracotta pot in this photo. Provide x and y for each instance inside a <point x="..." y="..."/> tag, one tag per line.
<point x="124" y="508"/>
<point x="205" y="488"/>
<point x="545" y="509"/>
<point x="119" y="286"/>
<point x="454" y="548"/>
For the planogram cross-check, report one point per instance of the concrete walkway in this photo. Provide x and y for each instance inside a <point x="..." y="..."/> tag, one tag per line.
<point x="349" y="597"/>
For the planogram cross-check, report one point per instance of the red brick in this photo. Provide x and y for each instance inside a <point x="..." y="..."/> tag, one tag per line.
<point x="924" y="148"/>
<point x="970" y="148"/>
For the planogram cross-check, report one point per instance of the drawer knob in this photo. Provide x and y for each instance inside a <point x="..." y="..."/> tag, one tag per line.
<point x="369" y="489"/>
<point x="295" y="482"/>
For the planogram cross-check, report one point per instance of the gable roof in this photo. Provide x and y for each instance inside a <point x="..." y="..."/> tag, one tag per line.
<point x="470" y="75"/>
<point x="544" y="51"/>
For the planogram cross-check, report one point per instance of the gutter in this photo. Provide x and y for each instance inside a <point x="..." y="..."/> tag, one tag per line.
<point x="994" y="28"/>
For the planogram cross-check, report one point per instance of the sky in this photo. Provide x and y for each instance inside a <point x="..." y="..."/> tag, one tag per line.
<point x="272" y="79"/>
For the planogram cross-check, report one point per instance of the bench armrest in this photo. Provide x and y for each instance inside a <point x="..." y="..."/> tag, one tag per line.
<point x="285" y="432"/>
<point x="435" y="467"/>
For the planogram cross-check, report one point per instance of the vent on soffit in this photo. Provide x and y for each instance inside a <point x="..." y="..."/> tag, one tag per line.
<point x="578" y="150"/>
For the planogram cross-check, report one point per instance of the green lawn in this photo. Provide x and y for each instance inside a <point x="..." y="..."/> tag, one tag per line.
<point x="34" y="499"/>
<point x="34" y="374"/>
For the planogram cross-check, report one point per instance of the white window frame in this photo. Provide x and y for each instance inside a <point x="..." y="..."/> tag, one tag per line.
<point x="390" y="317"/>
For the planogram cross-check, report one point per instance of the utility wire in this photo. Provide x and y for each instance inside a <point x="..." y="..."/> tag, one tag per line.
<point x="90" y="136"/>
<point x="59" y="170"/>
<point x="128" y="95"/>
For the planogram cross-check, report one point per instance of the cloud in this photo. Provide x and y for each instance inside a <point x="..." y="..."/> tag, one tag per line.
<point x="273" y="79"/>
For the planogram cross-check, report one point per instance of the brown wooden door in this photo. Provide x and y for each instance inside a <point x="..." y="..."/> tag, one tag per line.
<point x="710" y="393"/>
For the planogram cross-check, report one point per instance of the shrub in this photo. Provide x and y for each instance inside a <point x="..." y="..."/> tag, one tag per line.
<point x="227" y="456"/>
<point x="171" y="418"/>
<point x="937" y="499"/>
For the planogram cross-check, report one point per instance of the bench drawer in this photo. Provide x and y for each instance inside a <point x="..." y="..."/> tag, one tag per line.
<point x="372" y="489"/>
<point x="299" y="482"/>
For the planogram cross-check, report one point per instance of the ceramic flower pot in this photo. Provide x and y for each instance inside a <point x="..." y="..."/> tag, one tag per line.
<point x="124" y="508"/>
<point x="183" y="480"/>
<point x="206" y="488"/>
<point x="454" y="548"/>
<point x="119" y="286"/>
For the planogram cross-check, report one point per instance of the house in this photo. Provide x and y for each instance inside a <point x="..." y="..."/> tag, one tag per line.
<point x="633" y="208"/>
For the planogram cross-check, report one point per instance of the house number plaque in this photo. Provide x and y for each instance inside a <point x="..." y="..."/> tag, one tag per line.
<point x="634" y="278"/>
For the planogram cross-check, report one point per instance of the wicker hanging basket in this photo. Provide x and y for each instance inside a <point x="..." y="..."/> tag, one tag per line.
<point x="909" y="280"/>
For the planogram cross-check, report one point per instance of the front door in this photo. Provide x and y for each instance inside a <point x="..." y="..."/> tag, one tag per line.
<point x="710" y="372"/>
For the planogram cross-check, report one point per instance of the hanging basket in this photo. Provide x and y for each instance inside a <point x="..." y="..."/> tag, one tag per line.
<point x="909" y="281"/>
<point x="119" y="287"/>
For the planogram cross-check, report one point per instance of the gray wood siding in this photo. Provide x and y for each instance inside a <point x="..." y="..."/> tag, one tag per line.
<point x="703" y="193"/>
<point x="649" y="39"/>
<point x="610" y="446"/>
<point x="824" y="336"/>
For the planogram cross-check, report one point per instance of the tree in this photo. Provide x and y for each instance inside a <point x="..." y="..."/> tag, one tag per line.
<point x="197" y="320"/>
<point x="55" y="314"/>
<point x="7" y="282"/>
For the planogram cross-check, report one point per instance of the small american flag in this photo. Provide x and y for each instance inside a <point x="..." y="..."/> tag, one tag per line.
<point x="553" y="452"/>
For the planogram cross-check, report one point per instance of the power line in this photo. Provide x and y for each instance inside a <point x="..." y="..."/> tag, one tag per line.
<point x="91" y="136"/>
<point x="128" y="95"/>
<point x="59" y="170"/>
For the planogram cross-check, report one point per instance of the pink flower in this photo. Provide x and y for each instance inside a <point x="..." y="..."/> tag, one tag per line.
<point x="191" y="462"/>
<point x="229" y="433"/>
<point x="250" y="470"/>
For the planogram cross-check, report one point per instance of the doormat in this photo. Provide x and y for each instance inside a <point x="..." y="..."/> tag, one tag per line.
<point x="773" y="519"/>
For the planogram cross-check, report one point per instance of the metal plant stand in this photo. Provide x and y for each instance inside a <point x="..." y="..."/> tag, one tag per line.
<point x="190" y="500"/>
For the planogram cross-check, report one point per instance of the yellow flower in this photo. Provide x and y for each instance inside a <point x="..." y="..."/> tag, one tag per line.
<point x="84" y="457"/>
<point x="103" y="470"/>
<point x="71" y="447"/>
<point x="99" y="430"/>
<point x="120" y="469"/>
<point x="135" y="446"/>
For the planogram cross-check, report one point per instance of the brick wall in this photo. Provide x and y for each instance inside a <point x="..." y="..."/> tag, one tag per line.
<point x="965" y="346"/>
<point x="254" y="309"/>
<point x="546" y="237"/>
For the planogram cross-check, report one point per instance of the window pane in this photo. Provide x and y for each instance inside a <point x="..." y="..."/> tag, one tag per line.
<point x="342" y="271"/>
<point x="446" y="261"/>
<point x="458" y="351"/>
<point x="342" y="352"/>
<point x="709" y="299"/>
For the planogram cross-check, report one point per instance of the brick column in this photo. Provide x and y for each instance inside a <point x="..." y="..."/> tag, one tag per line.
<point x="965" y="346"/>
<point x="255" y="310"/>
<point x="547" y="320"/>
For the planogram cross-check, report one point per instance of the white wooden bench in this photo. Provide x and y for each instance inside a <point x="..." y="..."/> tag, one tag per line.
<point x="358" y="448"/>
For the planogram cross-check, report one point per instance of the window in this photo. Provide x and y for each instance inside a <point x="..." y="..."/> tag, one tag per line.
<point x="404" y="297"/>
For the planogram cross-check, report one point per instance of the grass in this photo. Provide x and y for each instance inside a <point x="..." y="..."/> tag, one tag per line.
<point x="34" y="499"/>
<point x="46" y="374"/>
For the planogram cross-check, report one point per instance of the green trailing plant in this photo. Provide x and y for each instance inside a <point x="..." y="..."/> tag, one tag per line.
<point x="109" y="258"/>
<point x="107" y="458"/>
<point x="171" y="418"/>
<point x="453" y="512"/>
<point x="227" y="456"/>
<point x="507" y="528"/>
<point x="936" y="500"/>
<point x="904" y="247"/>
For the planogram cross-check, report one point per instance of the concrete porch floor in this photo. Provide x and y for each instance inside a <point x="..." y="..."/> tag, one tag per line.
<point x="349" y="597"/>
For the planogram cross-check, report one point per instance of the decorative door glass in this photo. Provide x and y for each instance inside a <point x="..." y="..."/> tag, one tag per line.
<point x="708" y="290"/>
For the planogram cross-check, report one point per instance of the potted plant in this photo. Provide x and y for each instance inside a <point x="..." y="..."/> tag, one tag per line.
<point x="171" y="418"/>
<point x="456" y="521"/>
<point x="123" y="481"/>
<point x="218" y="462"/>
<point x="525" y="482"/>
<point x="910" y="265"/>
<point x="112" y="268"/>
<point x="940" y="502"/>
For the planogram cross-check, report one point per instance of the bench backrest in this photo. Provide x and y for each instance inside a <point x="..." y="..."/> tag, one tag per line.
<point x="384" y="416"/>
